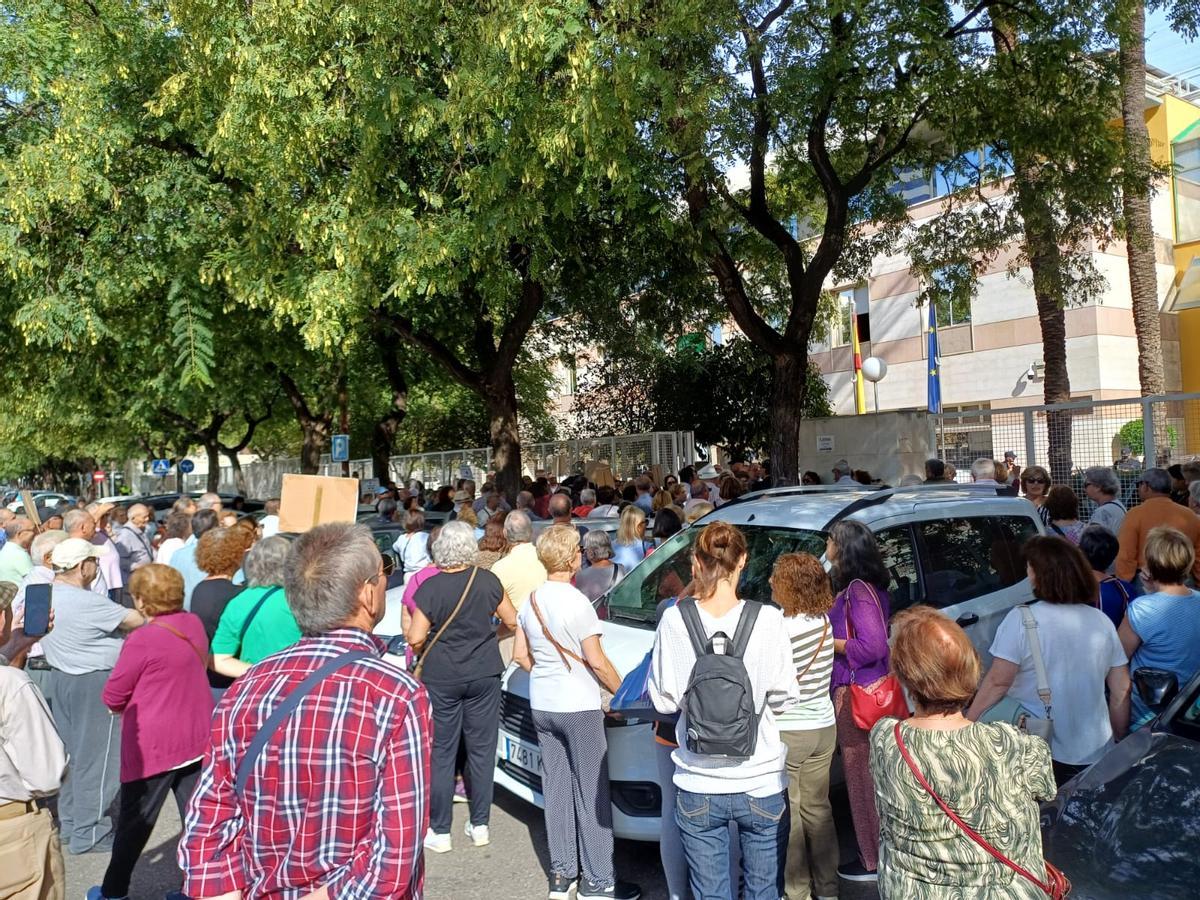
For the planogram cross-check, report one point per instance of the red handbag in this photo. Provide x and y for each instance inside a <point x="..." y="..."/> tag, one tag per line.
<point x="1056" y="886"/>
<point x="872" y="702"/>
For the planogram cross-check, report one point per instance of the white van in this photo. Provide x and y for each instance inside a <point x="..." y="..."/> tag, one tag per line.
<point x="956" y="547"/>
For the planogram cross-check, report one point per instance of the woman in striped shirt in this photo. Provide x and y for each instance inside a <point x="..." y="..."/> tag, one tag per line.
<point x="801" y="588"/>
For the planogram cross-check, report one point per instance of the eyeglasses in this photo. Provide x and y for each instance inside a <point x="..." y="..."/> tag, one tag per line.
<point x="1035" y="480"/>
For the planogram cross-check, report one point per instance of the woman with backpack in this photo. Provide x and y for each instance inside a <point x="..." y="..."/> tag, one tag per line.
<point x="860" y="645"/>
<point x="725" y="664"/>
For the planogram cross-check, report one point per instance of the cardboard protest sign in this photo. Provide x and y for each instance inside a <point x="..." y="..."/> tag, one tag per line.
<point x="310" y="500"/>
<point x="31" y="510"/>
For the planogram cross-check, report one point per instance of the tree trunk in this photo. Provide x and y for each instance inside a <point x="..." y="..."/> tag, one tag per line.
<point x="500" y="395"/>
<point x="789" y="380"/>
<point x="212" y="449"/>
<point x="1139" y="226"/>
<point x="383" y="440"/>
<point x="315" y="433"/>
<point x="383" y="436"/>
<point x="239" y="474"/>
<point x="1046" y="263"/>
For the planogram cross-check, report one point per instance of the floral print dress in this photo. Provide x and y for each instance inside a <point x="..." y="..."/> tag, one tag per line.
<point x="992" y="776"/>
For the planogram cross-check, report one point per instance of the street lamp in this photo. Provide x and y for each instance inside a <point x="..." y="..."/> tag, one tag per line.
<point x="874" y="369"/>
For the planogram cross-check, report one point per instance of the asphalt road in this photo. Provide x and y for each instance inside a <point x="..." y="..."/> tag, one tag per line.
<point x="512" y="867"/>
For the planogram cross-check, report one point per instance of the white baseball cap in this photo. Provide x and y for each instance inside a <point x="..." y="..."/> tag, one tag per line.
<point x="69" y="553"/>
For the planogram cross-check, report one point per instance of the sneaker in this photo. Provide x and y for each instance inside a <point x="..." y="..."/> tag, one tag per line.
<point x="437" y="843"/>
<point x="478" y="834"/>
<point x="460" y="791"/>
<point x="94" y="893"/>
<point x="560" y="887"/>
<point x="622" y="890"/>
<point x="854" y="871"/>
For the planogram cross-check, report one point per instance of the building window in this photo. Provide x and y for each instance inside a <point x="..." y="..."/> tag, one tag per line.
<point x="951" y="295"/>
<point x="852" y="304"/>
<point x="916" y="185"/>
<point x="1187" y="190"/>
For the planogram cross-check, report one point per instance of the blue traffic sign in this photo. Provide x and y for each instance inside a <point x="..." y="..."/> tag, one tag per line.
<point x="340" y="449"/>
<point x="186" y="466"/>
<point x="160" y="467"/>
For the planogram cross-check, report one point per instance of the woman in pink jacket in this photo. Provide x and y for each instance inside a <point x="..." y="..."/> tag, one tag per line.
<point x="160" y="688"/>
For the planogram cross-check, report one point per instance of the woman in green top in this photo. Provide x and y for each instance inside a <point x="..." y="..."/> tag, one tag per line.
<point x="991" y="775"/>
<point x="258" y="621"/>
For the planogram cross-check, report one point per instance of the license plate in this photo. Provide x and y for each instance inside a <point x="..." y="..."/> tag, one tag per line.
<point x="527" y="756"/>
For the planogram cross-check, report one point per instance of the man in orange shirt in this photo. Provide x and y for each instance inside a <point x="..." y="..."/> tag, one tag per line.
<point x="1157" y="508"/>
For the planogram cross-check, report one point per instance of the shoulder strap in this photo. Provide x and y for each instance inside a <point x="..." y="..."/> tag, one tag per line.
<point x="1060" y="532"/>
<point x="420" y="666"/>
<point x="254" y="612"/>
<point x="817" y="652"/>
<point x="1035" y="649"/>
<point x="963" y="826"/>
<point x="285" y="709"/>
<point x="741" y="637"/>
<point x="563" y="652"/>
<point x="695" y="628"/>
<point x="183" y="637"/>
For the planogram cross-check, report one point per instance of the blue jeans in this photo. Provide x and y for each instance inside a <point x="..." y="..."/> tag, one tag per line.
<point x="763" y="824"/>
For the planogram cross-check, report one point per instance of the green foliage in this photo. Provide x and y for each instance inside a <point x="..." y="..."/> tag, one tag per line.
<point x="720" y="392"/>
<point x="1133" y="435"/>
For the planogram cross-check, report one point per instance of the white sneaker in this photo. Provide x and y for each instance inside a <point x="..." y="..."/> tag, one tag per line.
<point x="437" y="843"/>
<point x="478" y="834"/>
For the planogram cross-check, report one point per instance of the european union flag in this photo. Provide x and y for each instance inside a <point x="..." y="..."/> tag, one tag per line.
<point x="934" y="381"/>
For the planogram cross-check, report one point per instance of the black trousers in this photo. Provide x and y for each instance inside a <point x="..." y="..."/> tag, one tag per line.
<point x="141" y="802"/>
<point x="470" y="711"/>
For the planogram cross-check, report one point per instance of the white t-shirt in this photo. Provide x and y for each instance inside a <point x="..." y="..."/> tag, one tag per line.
<point x="768" y="661"/>
<point x="572" y="620"/>
<point x="167" y="549"/>
<point x="413" y="551"/>
<point x="1079" y="645"/>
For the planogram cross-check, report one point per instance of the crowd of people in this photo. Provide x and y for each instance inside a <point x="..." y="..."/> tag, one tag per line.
<point x="253" y="676"/>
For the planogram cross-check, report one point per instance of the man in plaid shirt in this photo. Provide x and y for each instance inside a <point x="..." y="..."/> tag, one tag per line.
<point x="337" y="803"/>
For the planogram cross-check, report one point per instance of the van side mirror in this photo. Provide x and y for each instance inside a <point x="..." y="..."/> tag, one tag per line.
<point x="1156" y="687"/>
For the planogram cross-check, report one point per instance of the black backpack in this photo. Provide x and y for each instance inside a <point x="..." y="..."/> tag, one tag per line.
<point x="719" y="701"/>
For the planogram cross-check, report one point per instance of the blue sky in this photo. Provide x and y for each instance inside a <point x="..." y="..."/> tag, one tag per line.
<point x="1170" y="51"/>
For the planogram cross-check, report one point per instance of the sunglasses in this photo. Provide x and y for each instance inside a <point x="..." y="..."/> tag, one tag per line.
<point x="1035" y="480"/>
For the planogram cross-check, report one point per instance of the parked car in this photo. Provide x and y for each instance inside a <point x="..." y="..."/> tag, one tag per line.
<point x="43" y="498"/>
<point x="1127" y="827"/>
<point x="955" y="547"/>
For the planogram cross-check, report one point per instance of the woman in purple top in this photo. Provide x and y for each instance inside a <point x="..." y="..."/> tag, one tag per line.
<point x="860" y="579"/>
<point x="160" y="687"/>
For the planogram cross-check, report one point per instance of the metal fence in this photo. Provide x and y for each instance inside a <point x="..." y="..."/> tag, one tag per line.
<point x="626" y="454"/>
<point x="1129" y="435"/>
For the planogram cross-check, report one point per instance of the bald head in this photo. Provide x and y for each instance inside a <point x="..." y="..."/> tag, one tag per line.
<point x="21" y="531"/>
<point x="139" y="515"/>
<point x="560" y="506"/>
<point x="79" y="523"/>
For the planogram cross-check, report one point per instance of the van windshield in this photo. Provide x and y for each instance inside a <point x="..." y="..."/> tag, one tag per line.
<point x="667" y="572"/>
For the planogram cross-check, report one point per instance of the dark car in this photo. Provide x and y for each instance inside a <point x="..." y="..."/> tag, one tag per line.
<point x="1128" y="827"/>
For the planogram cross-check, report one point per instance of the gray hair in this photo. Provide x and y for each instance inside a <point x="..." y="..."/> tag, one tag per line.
<point x="44" y="543"/>
<point x="1193" y="493"/>
<point x="456" y="546"/>
<point x="1157" y="480"/>
<point x="596" y="545"/>
<point x="76" y="517"/>
<point x="386" y="507"/>
<point x="1104" y="478"/>
<point x="524" y="499"/>
<point x="983" y="469"/>
<point x="842" y="467"/>
<point x="587" y="497"/>
<point x="209" y="501"/>
<point x="326" y="567"/>
<point x="518" y="528"/>
<point x="266" y="563"/>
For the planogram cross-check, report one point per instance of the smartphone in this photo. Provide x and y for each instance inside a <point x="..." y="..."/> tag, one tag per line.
<point x="37" y="609"/>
